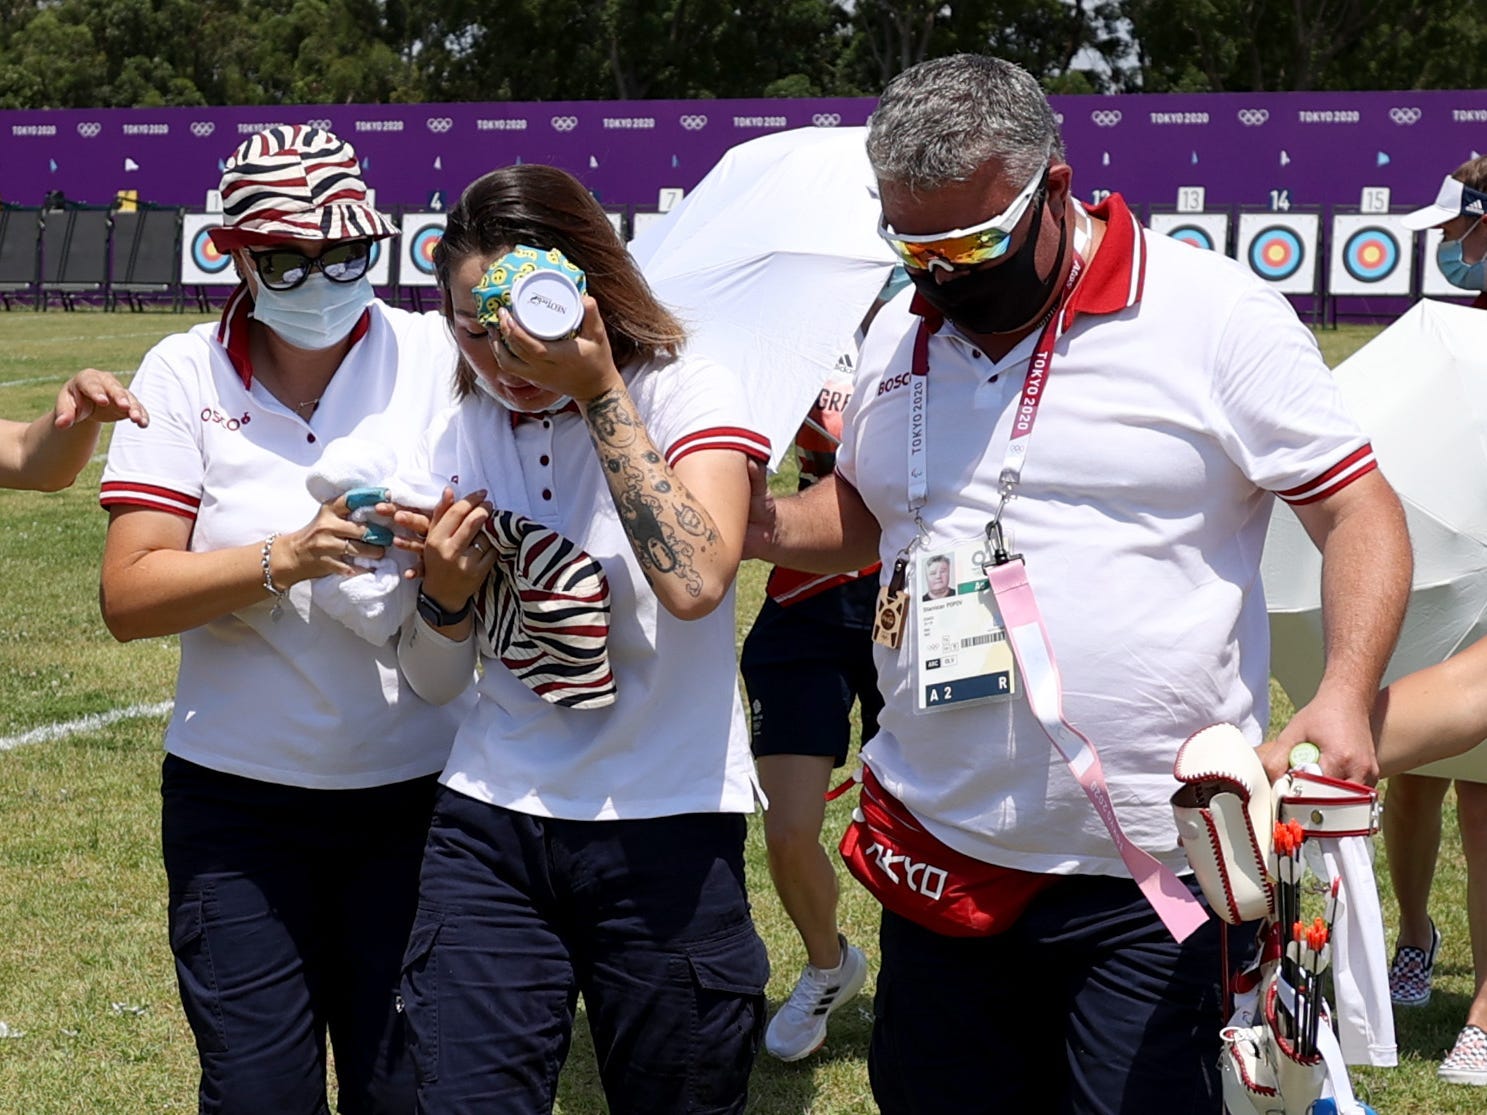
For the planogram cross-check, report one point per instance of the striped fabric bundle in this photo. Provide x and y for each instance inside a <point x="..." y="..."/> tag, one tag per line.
<point x="544" y="613"/>
<point x="295" y="182"/>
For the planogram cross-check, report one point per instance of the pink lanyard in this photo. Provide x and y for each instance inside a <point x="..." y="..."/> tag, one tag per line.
<point x="1179" y="910"/>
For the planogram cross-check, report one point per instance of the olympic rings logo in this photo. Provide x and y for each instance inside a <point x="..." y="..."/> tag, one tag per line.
<point x="89" y="129"/>
<point x="1105" y="118"/>
<point x="202" y="128"/>
<point x="323" y="125"/>
<point x="694" y="123"/>
<point x="211" y="414"/>
<point x="1405" y="116"/>
<point x="1253" y="117"/>
<point x="564" y="123"/>
<point x="826" y="119"/>
<point x="438" y="124"/>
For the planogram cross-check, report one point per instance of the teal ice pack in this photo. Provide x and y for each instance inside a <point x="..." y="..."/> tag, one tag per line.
<point x="543" y="291"/>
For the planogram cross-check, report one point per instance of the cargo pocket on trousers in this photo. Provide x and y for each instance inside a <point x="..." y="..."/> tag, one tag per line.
<point x="196" y="975"/>
<point x="730" y="973"/>
<point x="418" y="994"/>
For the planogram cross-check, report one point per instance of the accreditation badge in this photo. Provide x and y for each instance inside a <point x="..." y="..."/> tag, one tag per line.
<point x="961" y="651"/>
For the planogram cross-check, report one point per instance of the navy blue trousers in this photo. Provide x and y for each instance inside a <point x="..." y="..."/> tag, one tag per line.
<point x="289" y="913"/>
<point x="1085" y="1006"/>
<point x="647" y="919"/>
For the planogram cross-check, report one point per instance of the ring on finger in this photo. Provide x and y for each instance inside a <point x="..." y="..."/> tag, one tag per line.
<point x="477" y="546"/>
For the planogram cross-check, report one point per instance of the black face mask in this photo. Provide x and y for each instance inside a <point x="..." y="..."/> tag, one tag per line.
<point x="1000" y="299"/>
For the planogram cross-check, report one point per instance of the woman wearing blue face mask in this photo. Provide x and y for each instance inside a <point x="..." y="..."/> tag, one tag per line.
<point x="298" y="780"/>
<point x="1412" y="818"/>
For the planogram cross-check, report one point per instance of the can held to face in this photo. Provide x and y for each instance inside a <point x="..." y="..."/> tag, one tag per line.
<point x="543" y="291"/>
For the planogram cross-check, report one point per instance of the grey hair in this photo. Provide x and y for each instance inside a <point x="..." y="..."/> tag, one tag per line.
<point x="940" y="121"/>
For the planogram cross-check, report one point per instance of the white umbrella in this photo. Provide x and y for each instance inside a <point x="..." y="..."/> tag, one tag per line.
<point x="1420" y="390"/>
<point x="771" y="262"/>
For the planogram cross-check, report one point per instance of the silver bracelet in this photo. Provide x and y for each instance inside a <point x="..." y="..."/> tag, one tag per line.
<point x="268" y="574"/>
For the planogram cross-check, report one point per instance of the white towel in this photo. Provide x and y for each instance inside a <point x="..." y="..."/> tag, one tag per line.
<point x="376" y="602"/>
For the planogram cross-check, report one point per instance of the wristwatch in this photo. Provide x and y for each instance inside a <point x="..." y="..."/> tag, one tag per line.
<point x="436" y="616"/>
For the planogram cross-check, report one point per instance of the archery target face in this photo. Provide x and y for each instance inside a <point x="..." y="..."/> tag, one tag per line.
<point x="205" y="255"/>
<point x="1280" y="248"/>
<point x="1208" y="231"/>
<point x="1370" y="255"/>
<point x="421" y="235"/>
<point x="379" y="267"/>
<point x="201" y="263"/>
<point x="1192" y="234"/>
<point x="1276" y="253"/>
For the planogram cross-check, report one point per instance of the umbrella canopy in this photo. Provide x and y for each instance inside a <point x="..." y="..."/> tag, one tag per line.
<point x="771" y="262"/>
<point x="1420" y="390"/>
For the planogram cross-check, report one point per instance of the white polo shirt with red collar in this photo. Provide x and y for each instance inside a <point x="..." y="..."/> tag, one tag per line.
<point x="299" y="700"/>
<point x="675" y="739"/>
<point x="1183" y="396"/>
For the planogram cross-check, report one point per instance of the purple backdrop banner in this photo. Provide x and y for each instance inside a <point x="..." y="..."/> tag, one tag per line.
<point x="1271" y="150"/>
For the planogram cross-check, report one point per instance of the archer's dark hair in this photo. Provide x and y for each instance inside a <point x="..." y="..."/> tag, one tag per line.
<point x="544" y="207"/>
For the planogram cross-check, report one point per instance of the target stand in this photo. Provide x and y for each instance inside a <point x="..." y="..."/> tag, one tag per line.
<point x="421" y="234"/>
<point x="1208" y="230"/>
<point x="1370" y="255"/>
<point x="1284" y="251"/>
<point x="203" y="267"/>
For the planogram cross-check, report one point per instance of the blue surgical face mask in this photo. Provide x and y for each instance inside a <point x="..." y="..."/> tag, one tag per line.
<point x="1459" y="273"/>
<point x="316" y="314"/>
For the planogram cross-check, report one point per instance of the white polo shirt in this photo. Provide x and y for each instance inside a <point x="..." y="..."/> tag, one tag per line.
<point x="1183" y="394"/>
<point x="300" y="700"/>
<point x="675" y="739"/>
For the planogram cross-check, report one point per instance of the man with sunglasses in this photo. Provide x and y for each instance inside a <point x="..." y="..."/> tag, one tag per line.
<point x="1098" y="421"/>
<point x="298" y="779"/>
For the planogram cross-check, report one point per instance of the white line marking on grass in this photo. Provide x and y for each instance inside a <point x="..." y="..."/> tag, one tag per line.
<point x="50" y="733"/>
<point x="120" y="376"/>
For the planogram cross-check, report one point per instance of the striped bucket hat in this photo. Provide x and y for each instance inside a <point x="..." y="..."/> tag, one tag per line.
<point x="544" y="613"/>
<point x="295" y="182"/>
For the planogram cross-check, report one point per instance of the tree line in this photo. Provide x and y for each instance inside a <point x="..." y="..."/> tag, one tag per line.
<point x="111" y="53"/>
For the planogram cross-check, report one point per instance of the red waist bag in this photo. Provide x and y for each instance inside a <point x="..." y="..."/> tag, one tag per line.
<point x="917" y="877"/>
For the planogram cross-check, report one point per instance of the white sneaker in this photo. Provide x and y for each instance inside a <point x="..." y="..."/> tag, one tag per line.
<point x="798" y="1029"/>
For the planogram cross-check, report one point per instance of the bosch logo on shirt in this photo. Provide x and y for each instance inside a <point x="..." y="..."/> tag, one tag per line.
<point x="893" y="383"/>
<point x="212" y="415"/>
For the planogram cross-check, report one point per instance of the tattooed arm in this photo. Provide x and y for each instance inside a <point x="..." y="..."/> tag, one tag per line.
<point x="685" y="524"/>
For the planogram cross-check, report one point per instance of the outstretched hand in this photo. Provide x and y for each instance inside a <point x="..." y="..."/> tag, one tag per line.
<point x="95" y="396"/>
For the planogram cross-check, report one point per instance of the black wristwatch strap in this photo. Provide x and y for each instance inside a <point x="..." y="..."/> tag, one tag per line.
<point x="436" y="616"/>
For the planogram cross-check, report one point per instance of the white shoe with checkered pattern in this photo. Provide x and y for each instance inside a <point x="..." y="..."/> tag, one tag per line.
<point x="1467" y="1063"/>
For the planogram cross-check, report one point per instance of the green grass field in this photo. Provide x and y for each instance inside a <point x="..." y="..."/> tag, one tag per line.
<point x="87" y="991"/>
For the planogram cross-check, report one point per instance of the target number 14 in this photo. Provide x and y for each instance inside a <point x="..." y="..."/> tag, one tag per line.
<point x="1280" y="200"/>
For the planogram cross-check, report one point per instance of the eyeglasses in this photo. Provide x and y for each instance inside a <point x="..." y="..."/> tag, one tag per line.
<point x="285" y="268"/>
<point x="963" y="247"/>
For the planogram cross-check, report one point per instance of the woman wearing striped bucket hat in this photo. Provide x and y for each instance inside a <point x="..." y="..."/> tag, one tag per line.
<point x="299" y="772"/>
<point x="588" y="837"/>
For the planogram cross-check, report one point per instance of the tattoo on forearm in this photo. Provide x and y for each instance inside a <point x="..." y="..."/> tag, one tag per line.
<point x="636" y="481"/>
